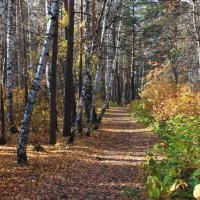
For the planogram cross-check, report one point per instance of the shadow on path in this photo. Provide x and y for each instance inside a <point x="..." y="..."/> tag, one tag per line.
<point x="95" y="168"/>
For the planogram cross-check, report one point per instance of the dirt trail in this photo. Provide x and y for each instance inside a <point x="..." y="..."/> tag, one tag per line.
<point x="95" y="168"/>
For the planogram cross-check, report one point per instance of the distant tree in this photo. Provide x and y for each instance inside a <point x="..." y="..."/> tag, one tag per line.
<point x="88" y="67"/>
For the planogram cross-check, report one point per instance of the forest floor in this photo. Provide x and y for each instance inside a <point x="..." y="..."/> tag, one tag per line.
<point x="101" y="167"/>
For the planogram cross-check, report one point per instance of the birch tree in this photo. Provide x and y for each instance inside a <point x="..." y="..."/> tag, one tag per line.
<point x="9" y="66"/>
<point x="112" y="69"/>
<point x="23" y="138"/>
<point x="87" y="38"/>
<point x="99" y="66"/>
<point x="47" y="7"/>
<point x="87" y="74"/>
<point x="53" y="81"/>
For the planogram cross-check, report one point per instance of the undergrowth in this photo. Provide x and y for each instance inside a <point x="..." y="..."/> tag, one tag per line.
<point x="173" y="112"/>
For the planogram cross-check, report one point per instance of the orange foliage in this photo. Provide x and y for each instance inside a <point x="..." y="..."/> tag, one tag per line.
<point x="166" y="99"/>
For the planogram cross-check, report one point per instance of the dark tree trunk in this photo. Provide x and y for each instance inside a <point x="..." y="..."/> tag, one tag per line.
<point x="88" y="90"/>
<point x="66" y="5"/>
<point x="2" y="117"/>
<point x="88" y="97"/>
<point x="68" y="74"/>
<point x="73" y="105"/>
<point x="24" y="51"/>
<point x="53" y="78"/>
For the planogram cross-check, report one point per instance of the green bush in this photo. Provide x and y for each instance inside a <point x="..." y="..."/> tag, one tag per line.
<point x="138" y="108"/>
<point x="175" y="176"/>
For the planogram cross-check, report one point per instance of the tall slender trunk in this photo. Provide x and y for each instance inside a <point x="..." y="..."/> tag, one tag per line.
<point x="68" y="98"/>
<point x="81" y="63"/>
<point x="9" y="66"/>
<point x="87" y="37"/>
<point x="133" y="67"/>
<point x="111" y="78"/>
<point x="87" y="74"/>
<point x="53" y="78"/>
<point x="19" y="41"/>
<point x="29" y="33"/>
<point x="48" y="65"/>
<point x="2" y="31"/>
<point x="99" y="69"/>
<point x="119" y="97"/>
<point x="25" y="60"/>
<point x="23" y="138"/>
<point x="2" y="117"/>
<point x="108" y="67"/>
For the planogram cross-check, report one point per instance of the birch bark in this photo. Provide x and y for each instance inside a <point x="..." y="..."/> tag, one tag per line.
<point x="47" y="7"/>
<point x="87" y="38"/>
<point x="23" y="138"/>
<point x="53" y="78"/>
<point x="86" y="78"/>
<point x="113" y="69"/>
<point x="9" y="66"/>
<point x="99" y="67"/>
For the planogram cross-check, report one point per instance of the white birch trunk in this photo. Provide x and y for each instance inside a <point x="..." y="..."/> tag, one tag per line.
<point x="99" y="66"/>
<point x="87" y="73"/>
<point x="48" y="65"/>
<point x="114" y="63"/>
<point x="9" y="64"/>
<point x="108" y="65"/>
<point x="47" y="7"/>
<point x="87" y="45"/>
<point x="23" y="138"/>
<point x="113" y="69"/>
<point x="48" y="77"/>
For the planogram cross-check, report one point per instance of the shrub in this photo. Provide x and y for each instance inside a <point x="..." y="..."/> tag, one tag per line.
<point x="173" y="111"/>
<point x="139" y="109"/>
<point x="177" y="174"/>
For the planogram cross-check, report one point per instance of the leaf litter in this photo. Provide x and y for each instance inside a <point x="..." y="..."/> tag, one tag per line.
<point x="102" y="167"/>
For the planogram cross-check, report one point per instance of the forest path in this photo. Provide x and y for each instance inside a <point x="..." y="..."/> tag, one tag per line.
<point x="95" y="168"/>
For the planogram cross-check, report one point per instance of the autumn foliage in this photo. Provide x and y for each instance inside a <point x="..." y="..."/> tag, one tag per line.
<point x="173" y="111"/>
<point x="165" y="99"/>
